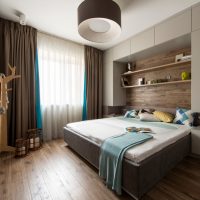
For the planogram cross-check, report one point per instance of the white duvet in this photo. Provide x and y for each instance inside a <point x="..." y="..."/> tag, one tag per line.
<point x="99" y="130"/>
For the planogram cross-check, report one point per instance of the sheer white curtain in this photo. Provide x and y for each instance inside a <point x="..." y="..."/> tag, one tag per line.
<point x="61" y="70"/>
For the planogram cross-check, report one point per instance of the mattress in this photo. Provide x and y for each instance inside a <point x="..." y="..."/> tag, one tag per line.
<point x="163" y="134"/>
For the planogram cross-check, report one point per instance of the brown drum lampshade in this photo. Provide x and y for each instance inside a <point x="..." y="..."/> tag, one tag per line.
<point x="99" y="20"/>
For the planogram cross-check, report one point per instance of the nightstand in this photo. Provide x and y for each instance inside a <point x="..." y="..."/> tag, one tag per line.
<point x="195" y="132"/>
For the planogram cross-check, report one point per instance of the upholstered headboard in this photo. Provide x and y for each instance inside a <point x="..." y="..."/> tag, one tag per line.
<point x="170" y="110"/>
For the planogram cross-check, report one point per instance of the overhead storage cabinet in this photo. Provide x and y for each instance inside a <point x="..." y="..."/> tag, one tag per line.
<point x="122" y="50"/>
<point x="142" y="41"/>
<point x="174" y="27"/>
<point x="196" y="18"/>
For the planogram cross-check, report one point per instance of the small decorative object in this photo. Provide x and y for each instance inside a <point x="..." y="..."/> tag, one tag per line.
<point x="153" y="81"/>
<point x="130" y="67"/>
<point x="178" y="57"/>
<point x="158" y="81"/>
<point x="144" y="130"/>
<point x="124" y="81"/>
<point x="148" y="82"/>
<point x="131" y="129"/>
<point x="22" y="147"/>
<point x="185" y="58"/>
<point x="168" y="77"/>
<point x="138" y="130"/>
<point x="141" y="81"/>
<point x="34" y="138"/>
<point x="186" y="76"/>
<point x="161" y="80"/>
<point x="196" y="120"/>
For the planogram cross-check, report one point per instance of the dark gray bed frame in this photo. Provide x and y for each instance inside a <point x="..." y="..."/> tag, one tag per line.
<point x="137" y="179"/>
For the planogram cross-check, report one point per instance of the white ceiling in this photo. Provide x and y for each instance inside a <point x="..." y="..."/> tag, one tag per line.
<point x="60" y="17"/>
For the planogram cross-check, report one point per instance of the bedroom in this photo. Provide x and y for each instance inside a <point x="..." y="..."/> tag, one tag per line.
<point x="99" y="99"/>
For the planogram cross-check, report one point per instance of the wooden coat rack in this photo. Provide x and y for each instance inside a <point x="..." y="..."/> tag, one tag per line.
<point x="4" y="80"/>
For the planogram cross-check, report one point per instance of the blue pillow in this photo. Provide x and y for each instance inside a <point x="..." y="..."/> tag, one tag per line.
<point x="183" y="117"/>
<point x="131" y="114"/>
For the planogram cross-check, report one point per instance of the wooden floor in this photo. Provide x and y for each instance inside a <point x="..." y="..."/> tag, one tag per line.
<point x="55" y="172"/>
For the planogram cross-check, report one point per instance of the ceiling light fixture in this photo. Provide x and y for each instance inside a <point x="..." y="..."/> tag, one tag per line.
<point x="99" y="20"/>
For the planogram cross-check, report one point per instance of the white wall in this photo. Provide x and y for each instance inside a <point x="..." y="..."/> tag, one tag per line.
<point x="113" y="94"/>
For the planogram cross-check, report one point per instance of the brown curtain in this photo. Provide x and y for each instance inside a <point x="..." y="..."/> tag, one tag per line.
<point x="94" y="82"/>
<point x="18" y="48"/>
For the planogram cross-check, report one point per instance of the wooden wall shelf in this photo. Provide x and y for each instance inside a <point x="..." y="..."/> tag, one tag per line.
<point x="164" y="94"/>
<point x="158" y="84"/>
<point x="157" y="68"/>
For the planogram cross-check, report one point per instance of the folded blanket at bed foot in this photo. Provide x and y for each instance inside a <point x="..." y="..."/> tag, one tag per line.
<point x="112" y="153"/>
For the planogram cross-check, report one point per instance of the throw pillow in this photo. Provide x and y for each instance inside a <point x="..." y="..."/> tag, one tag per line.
<point x="148" y="117"/>
<point x="164" y="116"/>
<point x="131" y="114"/>
<point x="183" y="116"/>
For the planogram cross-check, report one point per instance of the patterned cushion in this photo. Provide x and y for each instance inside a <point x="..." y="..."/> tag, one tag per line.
<point x="183" y="116"/>
<point x="164" y="116"/>
<point x="131" y="114"/>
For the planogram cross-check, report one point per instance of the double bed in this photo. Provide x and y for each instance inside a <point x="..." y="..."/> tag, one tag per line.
<point x="143" y="165"/>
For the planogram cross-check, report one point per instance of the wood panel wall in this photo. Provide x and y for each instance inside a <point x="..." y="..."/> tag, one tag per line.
<point x="162" y="96"/>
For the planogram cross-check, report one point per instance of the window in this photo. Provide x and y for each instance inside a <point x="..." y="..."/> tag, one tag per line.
<point x="61" y="71"/>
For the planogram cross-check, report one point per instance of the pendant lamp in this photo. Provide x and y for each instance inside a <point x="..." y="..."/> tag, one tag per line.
<point x="99" y="20"/>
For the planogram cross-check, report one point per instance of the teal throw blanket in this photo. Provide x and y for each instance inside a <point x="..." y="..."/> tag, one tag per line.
<point x="112" y="153"/>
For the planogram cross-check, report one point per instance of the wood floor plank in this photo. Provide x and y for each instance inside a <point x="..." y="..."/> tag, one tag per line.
<point x="5" y="176"/>
<point x="52" y="181"/>
<point x="184" y="184"/>
<point x="36" y="184"/>
<point x="17" y="179"/>
<point x="87" y="177"/>
<point x="173" y="192"/>
<point x="55" y="172"/>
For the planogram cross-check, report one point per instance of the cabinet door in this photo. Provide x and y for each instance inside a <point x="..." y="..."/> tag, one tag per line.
<point x="196" y="141"/>
<point x="122" y="50"/>
<point x="108" y="78"/>
<point x="173" y="27"/>
<point x="195" y="71"/>
<point x="142" y="41"/>
<point x="196" y="18"/>
<point x="119" y="93"/>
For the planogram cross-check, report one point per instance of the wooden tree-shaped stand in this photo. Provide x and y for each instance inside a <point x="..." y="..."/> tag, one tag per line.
<point x="4" y="106"/>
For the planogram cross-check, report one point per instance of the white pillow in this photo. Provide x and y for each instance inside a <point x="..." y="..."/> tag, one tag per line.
<point x="148" y="117"/>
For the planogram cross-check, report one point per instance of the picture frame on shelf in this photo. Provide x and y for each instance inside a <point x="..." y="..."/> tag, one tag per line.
<point x="141" y="81"/>
<point x="178" y="57"/>
<point x="124" y="81"/>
